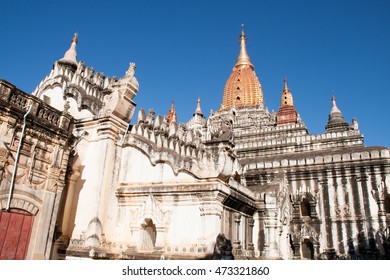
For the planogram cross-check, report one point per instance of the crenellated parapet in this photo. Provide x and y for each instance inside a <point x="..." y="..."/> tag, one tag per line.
<point x="182" y="148"/>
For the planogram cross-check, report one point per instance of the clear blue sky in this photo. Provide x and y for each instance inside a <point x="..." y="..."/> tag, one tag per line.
<point x="186" y="49"/>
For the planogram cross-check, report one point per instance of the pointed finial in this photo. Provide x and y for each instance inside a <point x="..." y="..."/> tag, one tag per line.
<point x="172" y="113"/>
<point x="243" y="58"/>
<point x="285" y="83"/>
<point x="287" y="98"/>
<point x="173" y="105"/>
<point x="174" y="117"/>
<point x="70" y="56"/>
<point x="334" y="105"/>
<point x="333" y="101"/>
<point x="198" y="110"/>
<point x="75" y="38"/>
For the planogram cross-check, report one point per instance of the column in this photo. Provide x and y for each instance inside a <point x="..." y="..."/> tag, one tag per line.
<point x="70" y="204"/>
<point x="251" y="224"/>
<point x="236" y="241"/>
<point x="271" y="226"/>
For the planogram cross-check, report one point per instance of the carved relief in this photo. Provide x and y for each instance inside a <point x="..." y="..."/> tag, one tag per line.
<point x="221" y="129"/>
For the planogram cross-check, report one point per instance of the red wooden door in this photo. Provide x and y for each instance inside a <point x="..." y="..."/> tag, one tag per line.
<point x="15" y="231"/>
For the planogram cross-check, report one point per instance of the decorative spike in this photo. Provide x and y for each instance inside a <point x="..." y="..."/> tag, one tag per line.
<point x="243" y="57"/>
<point x="146" y="133"/>
<point x="157" y="122"/>
<point x="165" y="143"/>
<point x="171" y="145"/>
<point x="334" y="106"/>
<point x="70" y="56"/>
<point x="172" y="113"/>
<point x="172" y="129"/>
<point x="141" y="115"/>
<point x="153" y="137"/>
<point x="198" y="110"/>
<point x="134" y="129"/>
<point x="140" y="130"/>
<point x="159" y="141"/>
<point x="177" y="147"/>
<point x="285" y="84"/>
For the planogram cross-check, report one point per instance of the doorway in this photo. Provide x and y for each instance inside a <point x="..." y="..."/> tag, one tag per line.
<point x="15" y="231"/>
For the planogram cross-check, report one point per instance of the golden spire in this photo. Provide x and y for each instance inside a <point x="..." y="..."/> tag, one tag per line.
<point x="198" y="110"/>
<point x="243" y="57"/>
<point x="171" y="117"/>
<point x="286" y="99"/>
<point x="285" y="84"/>
<point x="70" y="56"/>
<point x="287" y="114"/>
<point x="243" y="88"/>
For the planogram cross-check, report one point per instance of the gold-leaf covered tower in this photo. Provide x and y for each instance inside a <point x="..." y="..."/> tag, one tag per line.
<point x="243" y="88"/>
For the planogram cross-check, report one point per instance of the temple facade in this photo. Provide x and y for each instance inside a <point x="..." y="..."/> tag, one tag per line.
<point x="78" y="181"/>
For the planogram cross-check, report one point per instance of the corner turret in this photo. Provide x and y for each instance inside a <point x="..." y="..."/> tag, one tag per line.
<point x="287" y="114"/>
<point x="70" y="57"/>
<point x="336" y="120"/>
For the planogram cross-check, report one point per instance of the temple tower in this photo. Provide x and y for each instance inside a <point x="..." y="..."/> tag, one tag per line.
<point x="243" y="88"/>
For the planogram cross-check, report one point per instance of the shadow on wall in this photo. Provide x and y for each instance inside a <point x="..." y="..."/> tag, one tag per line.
<point x="376" y="246"/>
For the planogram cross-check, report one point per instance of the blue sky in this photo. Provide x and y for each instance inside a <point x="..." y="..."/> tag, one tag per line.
<point x="186" y="49"/>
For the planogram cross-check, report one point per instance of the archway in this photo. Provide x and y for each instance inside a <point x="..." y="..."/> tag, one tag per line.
<point x="148" y="235"/>
<point x="307" y="250"/>
<point x="305" y="208"/>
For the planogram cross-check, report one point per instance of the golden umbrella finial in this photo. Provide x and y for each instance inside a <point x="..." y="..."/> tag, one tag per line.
<point x="243" y="57"/>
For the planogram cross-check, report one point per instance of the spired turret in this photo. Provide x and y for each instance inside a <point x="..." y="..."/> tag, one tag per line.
<point x="70" y="57"/>
<point x="198" y="110"/>
<point x="243" y="88"/>
<point x="336" y="120"/>
<point x="171" y="116"/>
<point x="287" y="114"/>
<point x="198" y="122"/>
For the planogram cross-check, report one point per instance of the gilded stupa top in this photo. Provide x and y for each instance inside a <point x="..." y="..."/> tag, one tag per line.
<point x="243" y="60"/>
<point x="243" y="88"/>
<point x="286" y="99"/>
<point x="172" y="117"/>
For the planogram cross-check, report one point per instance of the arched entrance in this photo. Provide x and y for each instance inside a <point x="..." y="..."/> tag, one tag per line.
<point x="15" y="231"/>
<point x="148" y="235"/>
<point x="307" y="250"/>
